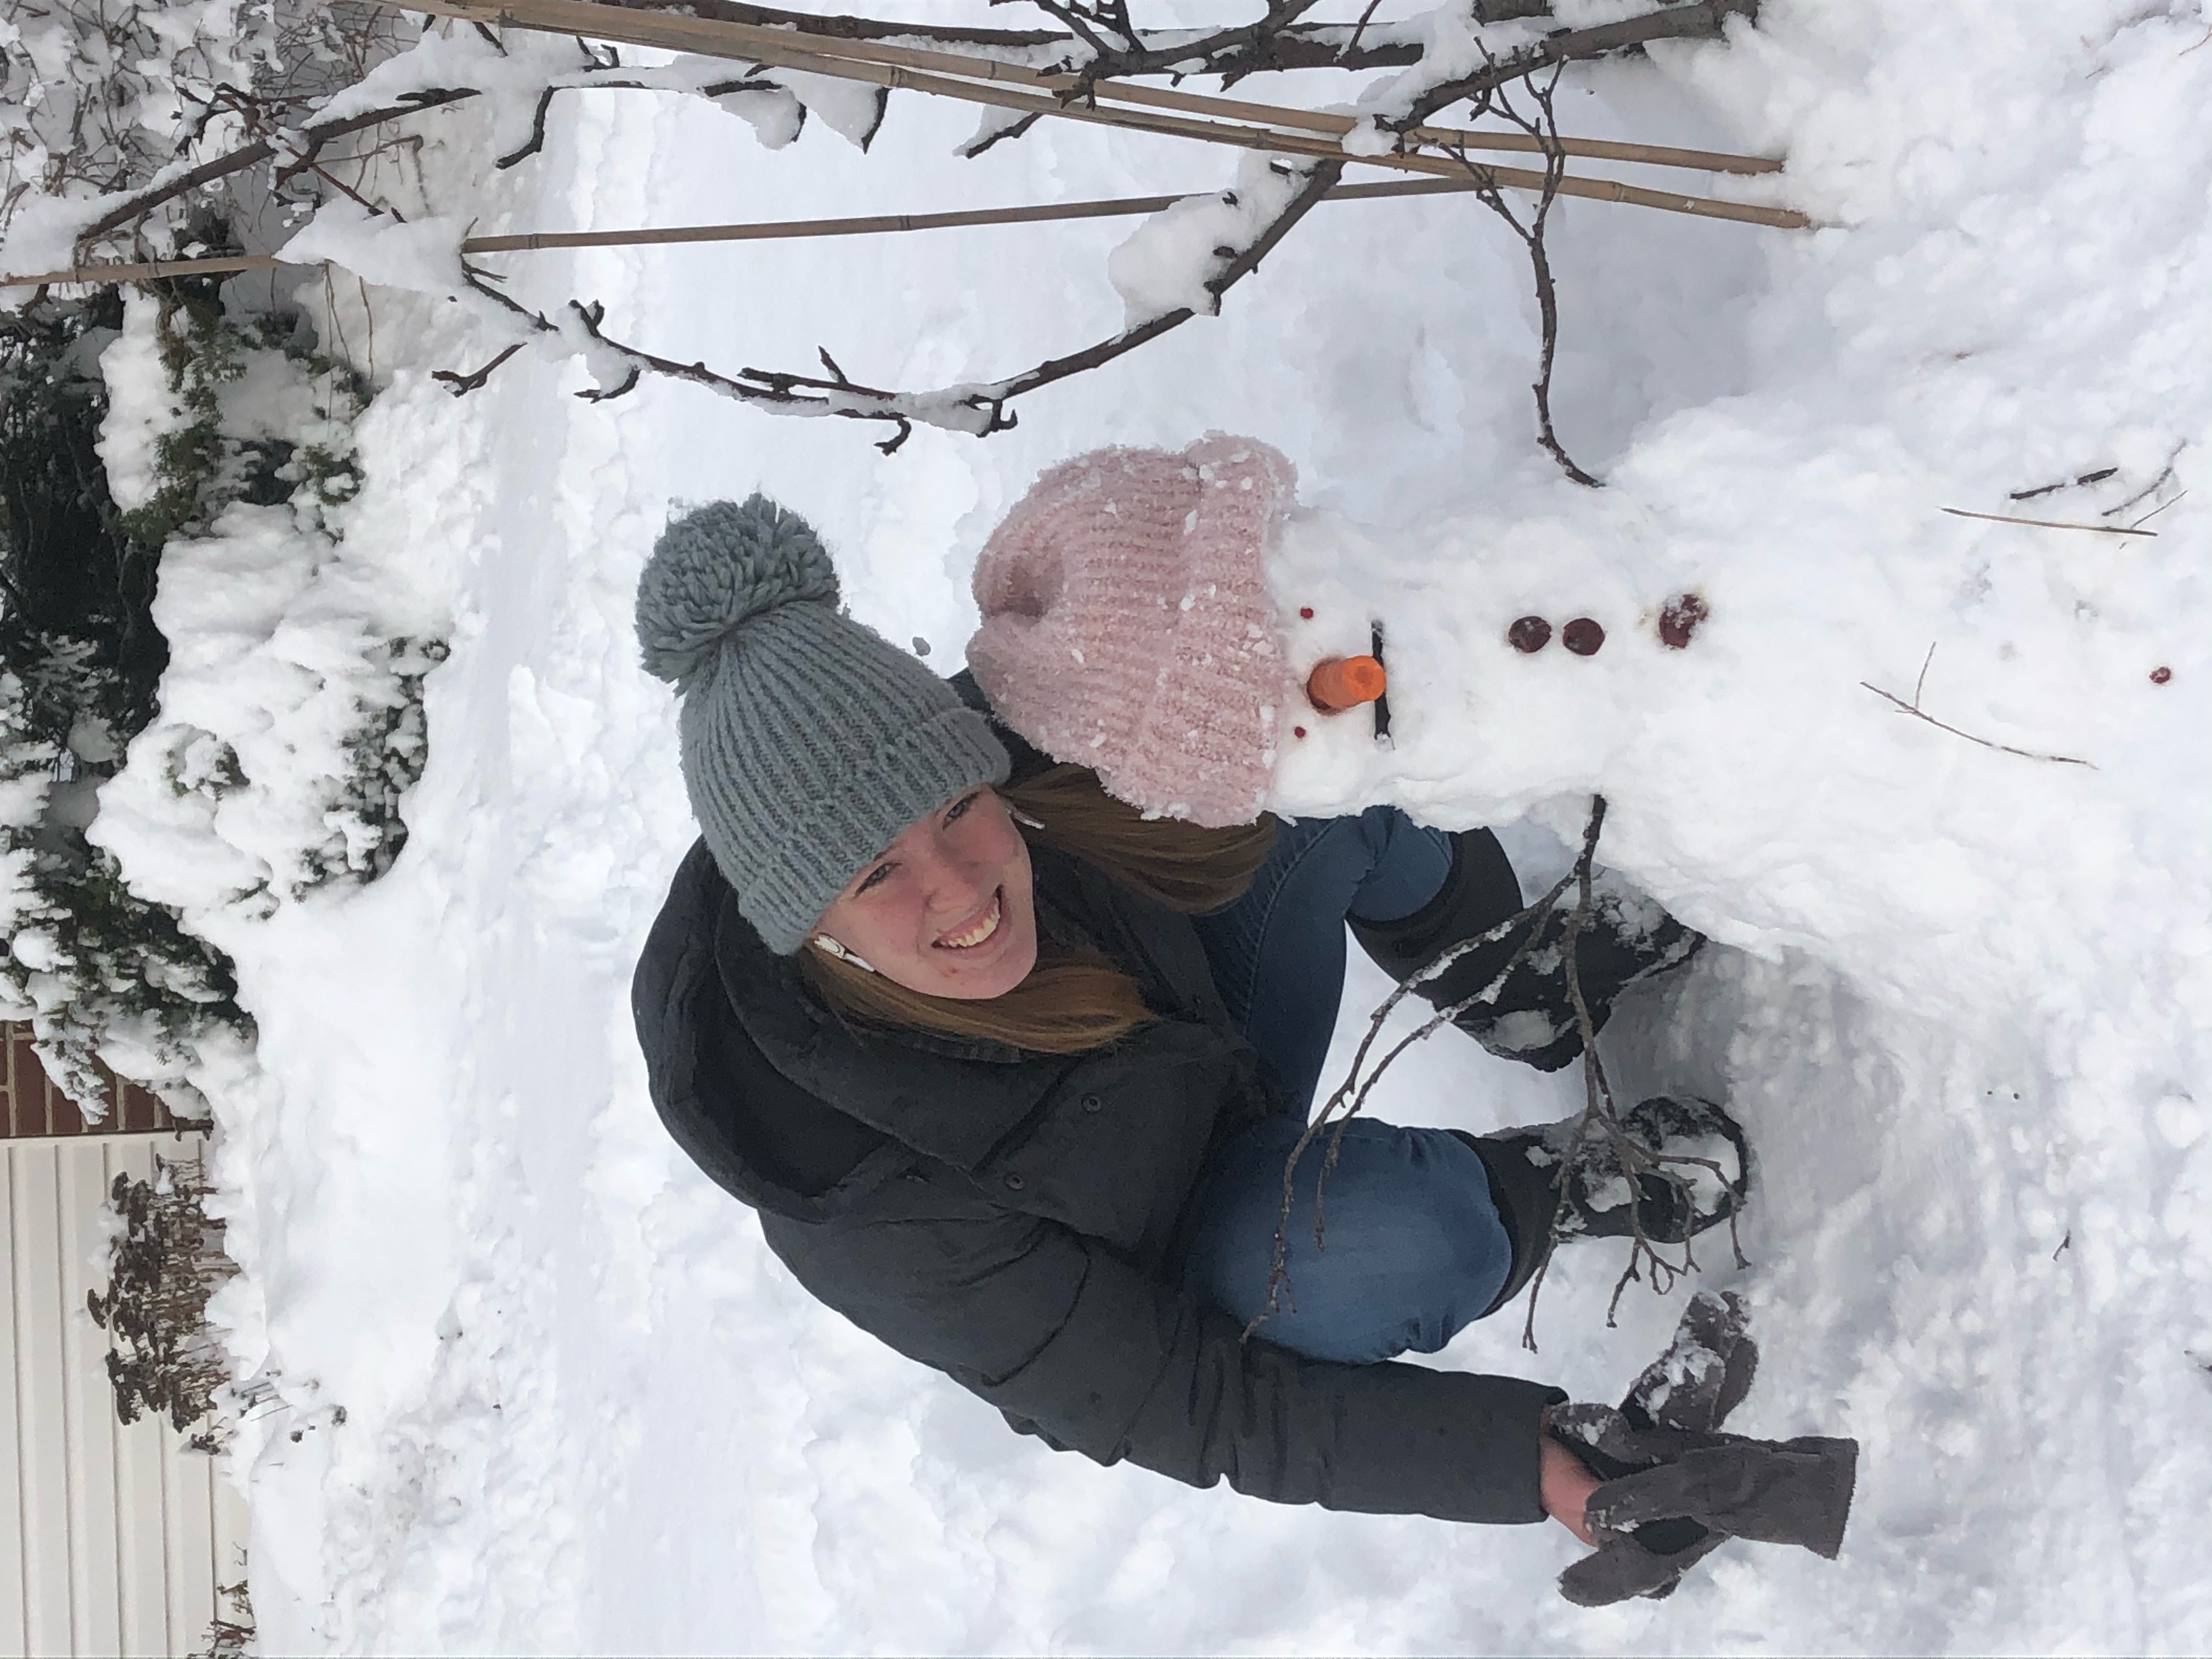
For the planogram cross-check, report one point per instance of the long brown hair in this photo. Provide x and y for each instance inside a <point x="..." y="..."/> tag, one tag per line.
<point x="1069" y="1003"/>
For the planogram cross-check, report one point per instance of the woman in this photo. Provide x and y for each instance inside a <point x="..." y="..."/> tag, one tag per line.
<point x="1012" y="1073"/>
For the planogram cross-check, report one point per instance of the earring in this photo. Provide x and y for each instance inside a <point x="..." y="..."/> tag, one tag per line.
<point x="1023" y="818"/>
<point x="830" y="947"/>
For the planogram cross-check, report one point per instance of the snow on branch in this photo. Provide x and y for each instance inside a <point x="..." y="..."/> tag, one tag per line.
<point x="979" y="408"/>
<point x="774" y="68"/>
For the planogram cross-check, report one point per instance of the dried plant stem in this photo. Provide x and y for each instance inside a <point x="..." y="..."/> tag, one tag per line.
<point x="1543" y="129"/>
<point x="1359" y="1081"/>
<point x="1601" y="1124"/>
<point x="2164" y="477"/>
<point x="166" y="1259"/>
<point x="1599" y="1129"/>
<point x="1917" y="712"/>
<point x="2049" y="524"/>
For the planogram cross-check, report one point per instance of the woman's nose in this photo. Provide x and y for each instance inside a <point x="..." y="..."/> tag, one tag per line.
<point x="951" y="884"/>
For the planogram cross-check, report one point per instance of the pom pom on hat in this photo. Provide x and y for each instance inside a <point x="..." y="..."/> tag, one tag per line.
<point x="809" y="741"/>
<point x="717" y="568"/>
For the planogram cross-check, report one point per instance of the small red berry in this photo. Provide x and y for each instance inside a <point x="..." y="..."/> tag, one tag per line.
<point x="2159" y="676"/>
<point x="1528" y="633"/>
<point x="1306" y="610"/>
<point x="1582" y="636"/>
<point x="1297" y="731"/>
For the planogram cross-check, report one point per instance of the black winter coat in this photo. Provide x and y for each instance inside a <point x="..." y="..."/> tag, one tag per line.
<point x="1017" y="1220"/>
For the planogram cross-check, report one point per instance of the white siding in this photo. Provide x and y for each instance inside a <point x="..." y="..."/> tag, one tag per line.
<point x="112" y="1540"/>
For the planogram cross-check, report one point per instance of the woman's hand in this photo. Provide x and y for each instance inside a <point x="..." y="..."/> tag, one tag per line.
<point x="1564" y="1483"/>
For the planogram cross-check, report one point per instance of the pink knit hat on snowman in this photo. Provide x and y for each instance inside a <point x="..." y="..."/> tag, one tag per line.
<point x="1127" y="625"/>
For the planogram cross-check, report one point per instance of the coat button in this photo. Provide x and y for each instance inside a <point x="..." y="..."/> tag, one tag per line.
<point x="1091" y="1103"/>
<point x="1015" y="1182"/>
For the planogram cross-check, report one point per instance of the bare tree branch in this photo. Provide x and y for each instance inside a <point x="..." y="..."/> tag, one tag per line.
<point x="1232" y="52"/>
<point x="1701" y="19"/>
<point x="980" y="410"/>
<point x="535" y="141"/>
<point x="1599" y="1133"/>
<point x="140" y="203"/>
<point x="1544" y="128"/>
<point x="462" y="384"/>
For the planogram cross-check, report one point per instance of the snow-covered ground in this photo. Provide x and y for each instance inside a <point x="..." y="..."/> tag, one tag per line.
<point x="540" y="1385"/>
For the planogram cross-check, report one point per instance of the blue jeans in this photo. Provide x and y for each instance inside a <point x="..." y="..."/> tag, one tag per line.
<point x="1412" y="1249"/>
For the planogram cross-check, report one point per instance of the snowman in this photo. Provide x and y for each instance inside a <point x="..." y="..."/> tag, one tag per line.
<point x="1177" y="623"/>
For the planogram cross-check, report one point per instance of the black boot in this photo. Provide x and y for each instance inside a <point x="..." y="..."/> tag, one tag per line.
<point x="1532" y="1019"/>
<point x="1525" y="1168"/>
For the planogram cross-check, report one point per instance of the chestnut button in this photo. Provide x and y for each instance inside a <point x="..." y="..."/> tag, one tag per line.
<point x="1091" y="1103"/>
<point x="1581" y="636"/>
<point x="1015" y="1182"/>
<point x="1529" y="634"/>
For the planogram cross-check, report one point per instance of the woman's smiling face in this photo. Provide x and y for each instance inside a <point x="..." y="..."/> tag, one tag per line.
<point x="945" y="910"/>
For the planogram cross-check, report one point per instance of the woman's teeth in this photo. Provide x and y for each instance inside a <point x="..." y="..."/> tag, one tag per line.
<point x="975" y="935"/>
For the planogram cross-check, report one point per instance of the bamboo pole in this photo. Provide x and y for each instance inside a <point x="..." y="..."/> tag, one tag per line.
<point x="1124" y="206"/>
<point x="773" y="230"/>
<point x="146" y="271"/>
<point x="566" y="20"/>
<point x="974" y="79"/>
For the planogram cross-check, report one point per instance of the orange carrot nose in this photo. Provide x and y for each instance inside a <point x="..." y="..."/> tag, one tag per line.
<point x="1342" y="683"/>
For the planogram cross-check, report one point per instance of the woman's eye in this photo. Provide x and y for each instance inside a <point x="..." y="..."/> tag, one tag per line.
<point x="875" y="877"/>
<point x="960" y="807"/>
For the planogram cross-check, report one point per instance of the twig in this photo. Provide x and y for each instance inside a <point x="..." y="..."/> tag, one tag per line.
<point x="2049" y="524"/>
<point x="2155" y="512"/>
<point x="140" y="203"/>
<point x="462" y="384"/>
<point x="2166" y="474"/>
<point x="1601" y="1119"/>
<point x="535" y="141"/>
<point x="1703" y="19"/>
<point x="1600" y="1123"/>
<point x="1917" y="712"/>
<point x="975" y="147"/>
<point x="2097" y="477"/>
<point x="1545" y="130"/>
<point x="1351" y="1094"/>
<point x="1597" y="1131"/>
<point x="1360" y="27"/>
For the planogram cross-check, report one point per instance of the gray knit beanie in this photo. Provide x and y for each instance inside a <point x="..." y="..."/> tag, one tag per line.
<point x="809" y="741"/>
